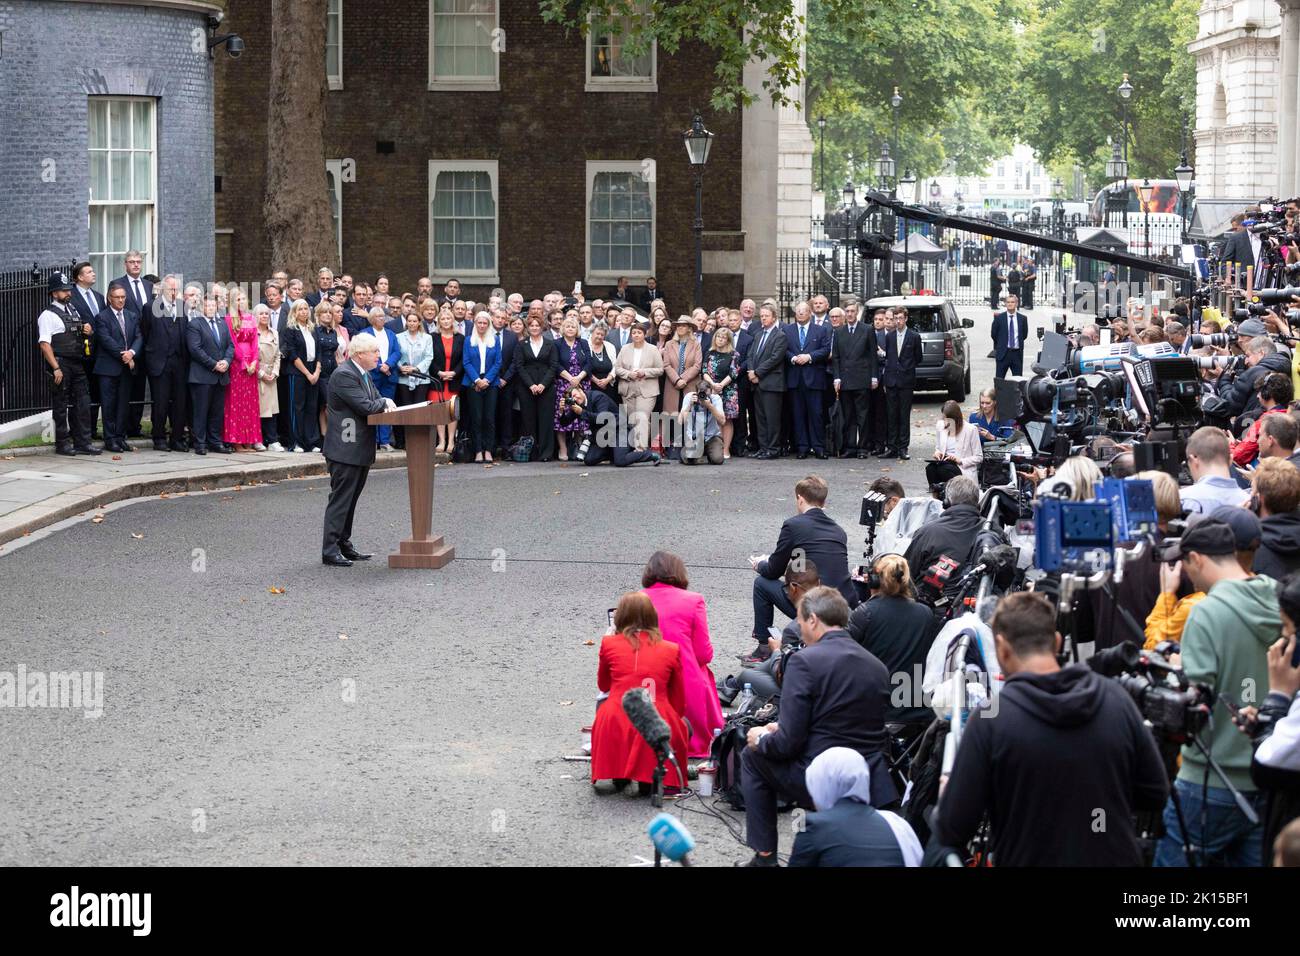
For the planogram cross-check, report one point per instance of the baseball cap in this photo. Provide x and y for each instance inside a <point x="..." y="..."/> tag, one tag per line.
<point x="1246" y="530"/>
<point x="1210" y="536"/>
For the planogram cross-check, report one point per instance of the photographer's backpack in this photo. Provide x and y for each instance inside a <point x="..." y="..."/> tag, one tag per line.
<point x="731" y="743"/>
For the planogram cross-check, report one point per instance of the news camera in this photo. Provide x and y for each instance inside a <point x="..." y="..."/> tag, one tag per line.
<point x="1177" y="709"/>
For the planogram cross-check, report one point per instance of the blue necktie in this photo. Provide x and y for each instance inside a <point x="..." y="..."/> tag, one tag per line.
<point x="803" y="336"/>
<point x="1011" y="331"/>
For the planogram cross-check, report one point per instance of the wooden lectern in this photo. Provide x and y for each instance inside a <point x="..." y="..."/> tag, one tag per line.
<point x="420" y="550"/>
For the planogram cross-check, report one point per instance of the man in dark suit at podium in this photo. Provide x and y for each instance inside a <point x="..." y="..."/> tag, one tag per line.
<point x="350" y="446"/>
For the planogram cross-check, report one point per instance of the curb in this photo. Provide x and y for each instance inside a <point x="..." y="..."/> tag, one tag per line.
<point x="94" y="495"/>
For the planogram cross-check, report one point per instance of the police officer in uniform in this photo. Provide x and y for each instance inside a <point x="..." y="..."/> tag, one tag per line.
<point x="64" y="340"/>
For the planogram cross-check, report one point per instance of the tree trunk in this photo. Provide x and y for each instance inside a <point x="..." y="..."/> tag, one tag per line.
<point x="297" y="204"/>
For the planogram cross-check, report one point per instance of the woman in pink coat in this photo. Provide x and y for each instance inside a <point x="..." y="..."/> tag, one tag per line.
<point x="684" y="620"/>
<point x="243" y="423"/>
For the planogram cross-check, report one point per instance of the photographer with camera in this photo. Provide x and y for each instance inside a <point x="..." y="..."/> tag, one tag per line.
<point x="1224" y="646"/>
<point x="1274" y="728"/>
<point x="1262" y="357"/>
<point x="702" y="417"/>
<point x="834" y="695"/>
<point x="1065" y="750"/>
<point x="606" y="434"/>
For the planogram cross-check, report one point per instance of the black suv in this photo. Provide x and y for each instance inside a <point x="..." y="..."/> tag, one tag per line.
<point x="945" y="363"/>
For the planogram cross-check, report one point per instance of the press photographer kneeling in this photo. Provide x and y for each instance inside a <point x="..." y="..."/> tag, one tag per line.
<point x="605" y="441"/>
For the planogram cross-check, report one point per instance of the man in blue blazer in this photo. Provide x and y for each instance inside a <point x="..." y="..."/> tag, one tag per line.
<point x="1010" y="329"/>
<point x="808" y="349"/>
<point x="902" y="355"/>
<point x="211" y="351"/>
<point x="834" y="693"/>
<point x="118" y="342"/>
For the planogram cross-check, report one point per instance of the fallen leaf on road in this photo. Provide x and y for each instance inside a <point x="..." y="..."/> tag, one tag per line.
<point x="588" y="643"/>
<point x="164" y="495"/>
<point x="585" y="474"/>
<point x="343" y="637"/>
<point x="117" y="458"/>
<point x="98" y="519"/>
<point x="276" y="590"/>
<point x="27" y="534"/>
<point x="566" y="703"/>
<point x="227" y="497"/>
<point x="138" y="537"/>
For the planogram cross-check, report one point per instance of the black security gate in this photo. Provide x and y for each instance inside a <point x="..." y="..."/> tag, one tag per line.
<point x="24" y="383"/>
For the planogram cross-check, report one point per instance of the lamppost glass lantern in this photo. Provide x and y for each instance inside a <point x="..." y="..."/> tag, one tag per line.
<point x="1125" y="88"/>
<point x="1184" y="173"/>
<point x="1116" y="166"/>
<point x="907" y="188"/>
<point x="1058" y="188"/>
<point x="884" y="165"/>
<point x="850" y="194"/>
<point x="896" y="100"/>
<point x="698" y="141"/>
<point x="1145" y="191"/>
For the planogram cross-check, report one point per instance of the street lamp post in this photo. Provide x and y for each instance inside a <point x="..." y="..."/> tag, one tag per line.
<point x="1117" y="168"/>
<point x="850" y="207"/>
<point x="1144" y="193"/>
<point x="907" y="195"/>
<point x="821" y="147"/>
<point x="1058" y="229"/>
<point x="1125" y="94"/>
<point x="698" y="141"/>
<point x="1183" y="174"/>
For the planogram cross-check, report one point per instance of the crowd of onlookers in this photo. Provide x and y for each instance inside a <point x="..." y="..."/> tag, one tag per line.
<point x="533" y="380"/>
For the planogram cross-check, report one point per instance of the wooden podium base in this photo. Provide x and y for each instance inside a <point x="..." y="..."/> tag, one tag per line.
<point x="430" y="553"/>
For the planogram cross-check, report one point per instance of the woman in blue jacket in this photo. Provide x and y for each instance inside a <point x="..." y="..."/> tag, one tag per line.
<point x="482" y="361"/>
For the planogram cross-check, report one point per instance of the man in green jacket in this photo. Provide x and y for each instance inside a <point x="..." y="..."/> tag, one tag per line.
<point x="1225" y="645"/>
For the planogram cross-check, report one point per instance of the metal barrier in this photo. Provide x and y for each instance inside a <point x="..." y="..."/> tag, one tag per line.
<point x="24" y="383"/>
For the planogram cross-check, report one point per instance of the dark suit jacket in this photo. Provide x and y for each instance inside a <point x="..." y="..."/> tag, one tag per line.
<point x="509" y="343"/>
<point x="848" y="834"/>
<point x="853" y="356"/>
<point x="439" y="363"/>
<point x="834" y="694"/>
<point x="646" y="296"/>
<point x="165" y="336"/>
<point x="741" y="341"/>
<point x="1001" y="331"/>
<point x="900" y="370"/>
<point x="206" y="352"/>
<point x="768" y="364"/>
<point x="125" y="282"/>
<point x="618" y="338"/>
<point x="85" y="312"/>
<point x="294" y="346"/>
<point x="540" y="369"/>
<point x="813" y="536"/>
<point x="817" y="345"/>
<point x="109" y="342"/>
<point x="352" y="397"/>
<point x="1237" y="248"/>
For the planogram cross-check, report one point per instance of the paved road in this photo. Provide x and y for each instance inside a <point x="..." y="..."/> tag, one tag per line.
<point x="363" y="716"/>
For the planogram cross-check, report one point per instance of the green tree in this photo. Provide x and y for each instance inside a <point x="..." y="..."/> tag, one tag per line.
<point x="1073" y="55"/>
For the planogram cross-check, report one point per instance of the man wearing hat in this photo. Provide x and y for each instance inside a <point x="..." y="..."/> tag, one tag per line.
<point x="1224" y="645"/>
<point x="62" y="336"/>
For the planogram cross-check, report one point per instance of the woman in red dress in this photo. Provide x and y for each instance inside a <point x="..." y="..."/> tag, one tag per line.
<point x="636" y="655"/>
<point x="243" y="422"/>
<point x="447" y="370"/>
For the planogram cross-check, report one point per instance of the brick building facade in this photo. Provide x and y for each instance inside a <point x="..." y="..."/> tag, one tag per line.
<point x="106" y="134"/>
<point x="510" y="156"/>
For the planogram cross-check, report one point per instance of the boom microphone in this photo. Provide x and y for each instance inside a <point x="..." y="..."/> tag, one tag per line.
<point x="641" y="711"/>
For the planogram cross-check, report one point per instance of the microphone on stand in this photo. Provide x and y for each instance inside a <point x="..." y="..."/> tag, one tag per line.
<point x="671" y="838"/>
<point x="643" y="714"/>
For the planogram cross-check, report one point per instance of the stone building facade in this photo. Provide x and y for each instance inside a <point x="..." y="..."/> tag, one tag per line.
<point x="106" y="134"/>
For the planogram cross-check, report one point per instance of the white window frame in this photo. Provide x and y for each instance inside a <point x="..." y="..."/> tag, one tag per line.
<point x="621" y="84"/>
<point x="335" y="79"/>
<point x="467" y="83"/>
<point x="491" y="167"/>
<point x="335" y="166"/>
<point x="150" y="254"/>
<point x="594" y="167"/>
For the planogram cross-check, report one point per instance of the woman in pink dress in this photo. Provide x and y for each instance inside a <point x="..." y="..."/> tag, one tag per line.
<point x="684" y="620"/>
<point x="243" y="425"/>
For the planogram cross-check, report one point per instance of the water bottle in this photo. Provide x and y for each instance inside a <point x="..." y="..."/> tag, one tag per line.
<point x="745" y="699"/>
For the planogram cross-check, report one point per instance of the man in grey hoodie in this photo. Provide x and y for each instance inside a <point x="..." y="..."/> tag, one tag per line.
<point x="1225" y="645"/>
